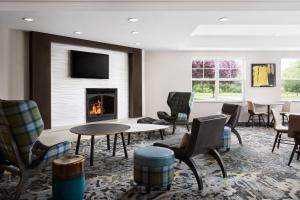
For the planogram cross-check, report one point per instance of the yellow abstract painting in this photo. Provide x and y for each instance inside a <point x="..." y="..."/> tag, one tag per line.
<point x="263" y="75"/>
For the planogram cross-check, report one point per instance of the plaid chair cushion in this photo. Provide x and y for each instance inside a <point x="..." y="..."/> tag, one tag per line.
<point x="181" y="117"/>
<point x="184" y="116"/>
<point x="156" y="177"/>
<point x="25" y="122"/>
<point x="226" y="137"/>
<point x="44" y="155"/>
<point x="153" y="166"/>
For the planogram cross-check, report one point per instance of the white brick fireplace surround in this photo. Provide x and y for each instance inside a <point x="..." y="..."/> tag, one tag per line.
<point x="68" y="94"/>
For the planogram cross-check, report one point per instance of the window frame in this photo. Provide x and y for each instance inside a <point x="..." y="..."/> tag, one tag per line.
<point x="217" y="80"/>
<point x="282" y="79"/>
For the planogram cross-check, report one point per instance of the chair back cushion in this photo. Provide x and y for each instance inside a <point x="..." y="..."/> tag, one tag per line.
<point x="294" y="126"/>
<point x="286" y="107"/>
<point x="180" y="102"/>
<point x="251" y="108"/>
<point x="234" y="111"/>
<point x="207" y="133"/>
<point x="24" y="123"/>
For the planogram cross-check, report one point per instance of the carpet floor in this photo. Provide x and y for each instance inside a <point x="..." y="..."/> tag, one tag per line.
<point x="254" y="172"/>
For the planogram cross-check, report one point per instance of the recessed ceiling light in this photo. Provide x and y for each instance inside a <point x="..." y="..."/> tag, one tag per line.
<point x="223" y="19"/>
<point x="78" y="32"/>
<point x="133" y="19"/>
<point x="28" y="19"/>
<point x="137" y="43"/>
<point x="134" y="32"/>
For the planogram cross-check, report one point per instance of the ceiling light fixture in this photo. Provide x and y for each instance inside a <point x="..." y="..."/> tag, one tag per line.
<point x="27" y="19"/>
<point x="78" y="32"/>
<point x="137" y="43"/>
<point x="133" y="19"/>
<point x="223" y="19"/>
<point x="134" y="32"/>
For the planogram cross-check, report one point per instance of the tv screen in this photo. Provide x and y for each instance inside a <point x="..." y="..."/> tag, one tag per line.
<point x="89" y="65"/>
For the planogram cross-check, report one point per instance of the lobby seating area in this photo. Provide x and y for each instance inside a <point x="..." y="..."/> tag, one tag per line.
<point x="150" y="100"/>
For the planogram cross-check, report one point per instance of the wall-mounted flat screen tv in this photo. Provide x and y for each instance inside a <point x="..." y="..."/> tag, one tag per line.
<point x="89" y="65"/>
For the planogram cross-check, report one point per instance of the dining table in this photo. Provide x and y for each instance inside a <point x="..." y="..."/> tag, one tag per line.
<point x="268" y="105"/>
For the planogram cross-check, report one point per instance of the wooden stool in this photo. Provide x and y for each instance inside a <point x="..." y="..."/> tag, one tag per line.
<point x="68" y="178"/>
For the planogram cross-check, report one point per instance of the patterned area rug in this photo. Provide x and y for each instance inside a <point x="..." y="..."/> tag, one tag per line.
<point x="253" y="172"/>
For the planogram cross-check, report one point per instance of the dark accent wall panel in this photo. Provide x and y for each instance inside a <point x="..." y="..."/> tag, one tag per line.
<point x="40" y="74"/>
<point x="40" y="71"/>
<point x="135" y="83"/>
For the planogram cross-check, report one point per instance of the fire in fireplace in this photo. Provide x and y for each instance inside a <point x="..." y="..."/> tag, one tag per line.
<point x="95" y="108"/>
<point x="101" y="104"/>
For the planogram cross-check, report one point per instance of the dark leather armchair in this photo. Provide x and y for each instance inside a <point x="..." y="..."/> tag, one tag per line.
<point x="234" y="111"/>
<point x="206" y="136"/>
<point x="180" y="105"/>
<point x="294" y="132"/>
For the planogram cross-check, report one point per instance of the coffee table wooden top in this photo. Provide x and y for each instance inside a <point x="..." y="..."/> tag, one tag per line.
<point x="100" y="129"/>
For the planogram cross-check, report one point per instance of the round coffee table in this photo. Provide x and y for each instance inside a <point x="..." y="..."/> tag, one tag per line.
<point x="99" y="129"/>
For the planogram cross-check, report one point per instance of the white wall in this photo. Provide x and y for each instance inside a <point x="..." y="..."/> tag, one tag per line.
<point x="68" y="94"/>
<point x="172" y="71"/>
<point x="14" y="71"/>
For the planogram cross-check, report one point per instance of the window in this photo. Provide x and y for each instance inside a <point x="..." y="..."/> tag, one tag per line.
<point x="217" y="79"/>
<point x="290" y="79"/>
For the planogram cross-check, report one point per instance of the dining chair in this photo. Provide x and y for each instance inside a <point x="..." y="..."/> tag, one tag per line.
<point x="294" y="132"/>
<point x="280" y="129"/>
<point x="252" y="113"/>
<point x="206" y="136"/>
<point x="286" y="109"/>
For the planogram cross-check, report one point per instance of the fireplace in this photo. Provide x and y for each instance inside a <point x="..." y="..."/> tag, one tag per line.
<point x="101" y="104"/>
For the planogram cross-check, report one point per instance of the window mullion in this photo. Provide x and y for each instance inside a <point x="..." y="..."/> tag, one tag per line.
<point x="216" y="82"/>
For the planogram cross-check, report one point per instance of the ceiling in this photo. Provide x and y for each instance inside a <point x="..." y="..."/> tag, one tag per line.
<point x="165" y="25"/>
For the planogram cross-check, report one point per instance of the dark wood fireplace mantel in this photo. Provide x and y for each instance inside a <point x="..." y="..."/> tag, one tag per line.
<point x="40" y="71"/>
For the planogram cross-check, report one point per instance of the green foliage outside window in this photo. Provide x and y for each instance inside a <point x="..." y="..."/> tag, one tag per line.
<point x="290" y="84"/>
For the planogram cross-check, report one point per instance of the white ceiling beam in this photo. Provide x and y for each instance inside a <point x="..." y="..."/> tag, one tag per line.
<point x="144" y="5"/>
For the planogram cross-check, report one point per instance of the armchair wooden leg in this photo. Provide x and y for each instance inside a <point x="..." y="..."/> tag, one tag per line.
<point x="161" y="134"/>
<point x="292" y="155"/>
<point x="1" y="172"/>
<point x="174" y="127"/>
<point x="188" y="126"/>
<point x="275" y="141"/>
<point x="214" y="153"/>
<point x="20" y="186"/>
<point x="237" y="135"/>
<point x="191" y="164"/>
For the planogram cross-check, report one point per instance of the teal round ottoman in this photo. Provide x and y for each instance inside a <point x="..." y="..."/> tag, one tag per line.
<point x="154" y="167"/>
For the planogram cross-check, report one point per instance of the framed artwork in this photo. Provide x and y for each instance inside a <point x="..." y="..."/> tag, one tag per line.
<point x="263" y="75"/>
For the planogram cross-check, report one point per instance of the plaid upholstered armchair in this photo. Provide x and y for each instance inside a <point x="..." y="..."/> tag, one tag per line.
<point x="180" y="104"/>
<point x="20" y="151"/>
